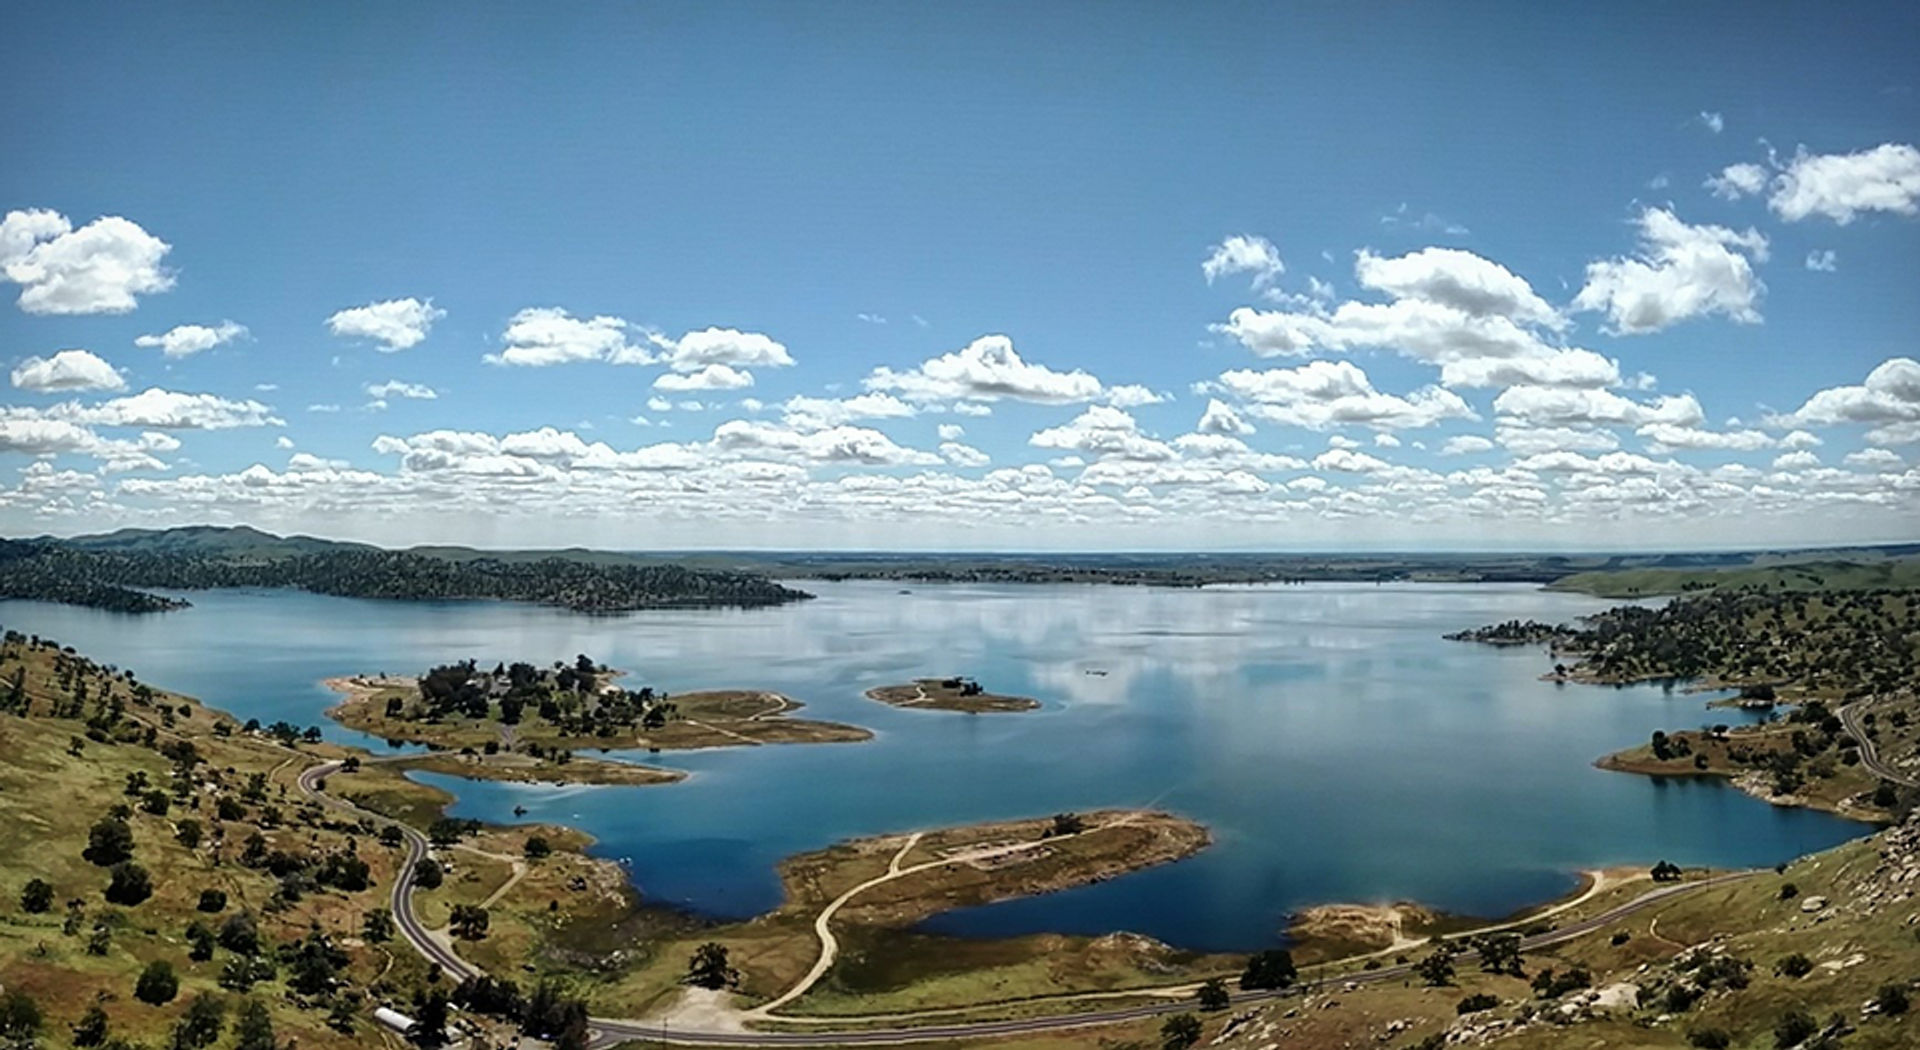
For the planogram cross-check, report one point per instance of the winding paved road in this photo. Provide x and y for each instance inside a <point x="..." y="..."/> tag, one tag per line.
<point x="400" y="901"/>
<point x="609" y="1032"/>
<point x="1869" y="757"/>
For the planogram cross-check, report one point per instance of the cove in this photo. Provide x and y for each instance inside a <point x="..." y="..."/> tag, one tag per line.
<point x="1337" y="747"/>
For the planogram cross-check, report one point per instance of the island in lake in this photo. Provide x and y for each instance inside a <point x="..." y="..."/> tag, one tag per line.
<point x="547" y="714"/>
<point x="949" y="694"/>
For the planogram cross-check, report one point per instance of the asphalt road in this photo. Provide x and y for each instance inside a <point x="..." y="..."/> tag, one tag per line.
<point x="400" y="901"/>
<point x="608" y="1032"/>
<point x="1870" y="758"/>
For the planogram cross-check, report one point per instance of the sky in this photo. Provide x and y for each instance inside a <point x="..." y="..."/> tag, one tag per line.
<point x="971" y="276"/>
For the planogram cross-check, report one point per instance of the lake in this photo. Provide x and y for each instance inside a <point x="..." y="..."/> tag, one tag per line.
<point x="1338" y="748"/>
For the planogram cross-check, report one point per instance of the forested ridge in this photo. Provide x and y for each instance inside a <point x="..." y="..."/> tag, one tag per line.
<point x="50" y="570"/>
<point x="1836" y="643"/>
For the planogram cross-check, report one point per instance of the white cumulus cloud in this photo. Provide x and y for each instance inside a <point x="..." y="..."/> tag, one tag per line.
<point x="1243" y="253"/>
<point x="393" y="324"/>
<point x="100" y="268"/>
<point x="1840" y="186"/>
<point x="539" y="336"/>
<point x="1323" y="394"/>
<point x="158" y="409"/>
<point x="188" y="339"/>
<point x="1551" y="406"/>
<point x="1459" y="279"/>
<point x="696" y="351"/>
<point x="987" y="369"/>
<point x="396" y="388"/>
<point x="1682" y="271"/>
<point x="1465" y="444"/>
<point x="67" y="370"/>
<point x="707" y="377"/>
<point x="1891" y="394"/>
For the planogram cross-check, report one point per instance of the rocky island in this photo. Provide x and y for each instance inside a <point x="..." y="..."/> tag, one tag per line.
<point x="949" y="694"/>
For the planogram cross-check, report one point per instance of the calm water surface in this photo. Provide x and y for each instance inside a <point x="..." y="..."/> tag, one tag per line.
<point x="1338" y="748"/>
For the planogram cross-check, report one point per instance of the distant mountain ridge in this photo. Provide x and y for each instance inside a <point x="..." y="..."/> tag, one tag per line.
<point x="245" y="541"/>
<point x="108" y="570"/>
<point x="226" y="540"/>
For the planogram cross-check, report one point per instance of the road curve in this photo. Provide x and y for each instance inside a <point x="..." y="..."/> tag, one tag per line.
<point x="1869" y="757"/>
<point x="400" y="901"/>
<point x="609" y="1032"/>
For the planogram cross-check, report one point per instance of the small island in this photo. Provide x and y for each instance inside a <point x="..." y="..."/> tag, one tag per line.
<point x="949" y="694"/>
<point x="524" y="722"/>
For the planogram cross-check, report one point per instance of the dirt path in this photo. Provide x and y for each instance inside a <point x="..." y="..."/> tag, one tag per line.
<point x="780" y="707"/>
<point x="830" y="946"/>
<point x="519" y="872"/>
<point x="1601" y="882"/>
<point x="743" y="738"/>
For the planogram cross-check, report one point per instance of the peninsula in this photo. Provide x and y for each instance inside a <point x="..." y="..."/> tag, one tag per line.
<point x="1851" y="739"/>
<point x="949" y="694"/>
<point x="1832" y="644"/>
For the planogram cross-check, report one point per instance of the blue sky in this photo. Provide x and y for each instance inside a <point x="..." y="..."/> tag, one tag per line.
<point x="1511" y="276"/>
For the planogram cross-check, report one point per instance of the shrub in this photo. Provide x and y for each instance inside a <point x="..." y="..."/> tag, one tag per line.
<point x="1213" y="995"/>
<point x="212" y="900"/>
<point x="1709" y="1038"/>
<point x="1891" y="999"/>
<point x="109" y="842"/>
<point x="1795" y="965"/>
<point x="19" y="1018"/>
<point x="1788" y="891"/>
<point x="1270" y="969"/>
<point x="1436" y="969"/>
<point x="157" y="984"/>
<point x="1476" y="1003"/>
<point x="130" y="884"/>
<point x="1179" y="1032"/>
<point x="239" y="934"/>
<point x="36" y="896"/>
<point x="1550" y="985"/>
<point x="1796" y="1026"/>
<point x="91" y="1029"/>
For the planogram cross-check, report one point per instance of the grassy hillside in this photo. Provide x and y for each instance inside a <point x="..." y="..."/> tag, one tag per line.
<point x="1897" y="573"/>
<point x="211" y="807"/>
<point x="59" y="776"/>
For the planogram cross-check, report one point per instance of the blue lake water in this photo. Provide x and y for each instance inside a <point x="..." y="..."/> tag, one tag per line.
<point x="1338" y="748"/>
